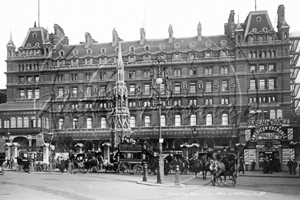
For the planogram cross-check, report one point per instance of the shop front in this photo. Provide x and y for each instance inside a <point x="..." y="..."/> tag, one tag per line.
<point x="268" y="141"/>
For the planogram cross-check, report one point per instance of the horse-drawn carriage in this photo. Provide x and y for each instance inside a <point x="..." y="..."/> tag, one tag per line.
<point x="200" y="163"/>
<point x="224" y="167"/>
<point x="130" y="158"/>
<point x="79" y="163"/>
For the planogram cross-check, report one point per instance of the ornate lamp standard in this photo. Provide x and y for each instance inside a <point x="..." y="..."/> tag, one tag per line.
<point x="49" y="138"/>
<point x="194" y="132"/>
<point x="160" y="80"/>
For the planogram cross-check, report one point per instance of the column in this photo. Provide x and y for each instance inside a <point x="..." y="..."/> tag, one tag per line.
<point x="106" y="152"/>
<point x="46" y="153"/>
<point x="8" y="150"/>
<point x="15" y="147"/>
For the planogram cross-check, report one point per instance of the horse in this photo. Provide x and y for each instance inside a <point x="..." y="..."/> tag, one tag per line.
<point x="216" y="169"/>
<point x="204" y="166"/>
<point x="92" y="163"/>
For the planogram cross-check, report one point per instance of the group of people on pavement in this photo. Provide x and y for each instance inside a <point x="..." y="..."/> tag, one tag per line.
<point x="271" y="165"/>
<point x="292" y="165"/>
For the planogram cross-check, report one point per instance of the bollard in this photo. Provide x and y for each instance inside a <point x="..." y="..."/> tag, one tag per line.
<point x="177" y="181"/>
<point x="70" y="168"/>
<point x="145" y="177"/>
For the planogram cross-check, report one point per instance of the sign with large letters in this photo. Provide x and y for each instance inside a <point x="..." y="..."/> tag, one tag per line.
<point x="268" y="132"/>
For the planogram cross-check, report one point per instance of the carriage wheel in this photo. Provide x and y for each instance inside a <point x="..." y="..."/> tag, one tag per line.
<point x="2" y="171"/>
<point x="124" y="167"/>
<point x="45" y="167"/>
<point x="74" y="170"/>
<point x="138" y="169"/>
<point x="83" y="170"/>
<point x="18" y="168"/>
<point x="26" y="169"/>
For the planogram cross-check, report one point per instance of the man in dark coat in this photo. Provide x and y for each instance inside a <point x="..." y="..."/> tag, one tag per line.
<point x="242" y="169"/>
<point x="294" y="166"/>
<point x="290" y="165"/>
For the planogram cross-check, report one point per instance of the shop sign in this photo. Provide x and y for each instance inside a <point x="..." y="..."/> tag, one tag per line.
<point x="268" y="132"/>
<point x="265" y="122"/>
<point x="130" y="147"/>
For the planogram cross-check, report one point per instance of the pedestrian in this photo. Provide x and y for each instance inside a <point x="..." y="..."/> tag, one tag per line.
<point x="242" y="169"/>
<point x="294" y="166"/>
<point x="253" y="163"/>
<point x="271" y="166"/>
<point x="290" y="165"/>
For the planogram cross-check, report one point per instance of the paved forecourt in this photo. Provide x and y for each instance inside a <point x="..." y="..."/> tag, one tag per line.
<point x="124" y="186"/>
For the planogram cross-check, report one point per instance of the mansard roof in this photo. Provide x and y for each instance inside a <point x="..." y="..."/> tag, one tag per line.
<point x="35" y="35"/>
<point x="257" y="20"/>
<point x="154" y="44"/>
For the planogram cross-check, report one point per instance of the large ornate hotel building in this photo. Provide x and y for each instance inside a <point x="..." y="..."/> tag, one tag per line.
<point x="229" y="90"/>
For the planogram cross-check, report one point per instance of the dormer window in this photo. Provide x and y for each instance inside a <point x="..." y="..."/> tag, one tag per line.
<point x="75" y="52"/>
<point x="258" y="19"/>
<point x="254" y="30"/>
<point x="162" y="47"/>
<point x="176" y="46"/>
<point x="34" y="35"/>
<point x="265" y="29"/>
<point x="132" y="49"/>
<point x="192" y="45"/>
<point x="207" y="44"/>
<point x="28" y="45"/>
<point x="223" y="43"/>
<point x="61" y="53"/>
<point x="37" y="44"/>
<point x="89" y="51"/>
<point x="103" y="50"/>
<point x="147" y="48"/>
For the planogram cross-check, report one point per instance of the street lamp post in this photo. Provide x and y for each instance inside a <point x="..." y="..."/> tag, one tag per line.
<point x="194" y="132"/>
<point x="160" y="172"/>
<point x="50" y="137"/>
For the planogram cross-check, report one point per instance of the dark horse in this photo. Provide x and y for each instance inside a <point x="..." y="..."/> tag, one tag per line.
<point x="92" y="165"/>
<point x="204" y="166"/>
<point x="194" y="165"/>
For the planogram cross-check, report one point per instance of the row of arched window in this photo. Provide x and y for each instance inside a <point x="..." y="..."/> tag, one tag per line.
<point x="89" y="123"/>
<point x="178" y="120"/>
<point x="265" y="114"/>
<point x="25" y="122"/>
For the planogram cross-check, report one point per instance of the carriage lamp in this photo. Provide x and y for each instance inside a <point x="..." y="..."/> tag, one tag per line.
<point x="8" y="136"/>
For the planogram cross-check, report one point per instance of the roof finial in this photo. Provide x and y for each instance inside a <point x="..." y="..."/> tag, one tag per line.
<point x="255" y="5"/>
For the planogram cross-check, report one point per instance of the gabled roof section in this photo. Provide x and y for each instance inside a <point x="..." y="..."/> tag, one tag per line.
<point x="257" y="20"/>
<point x="35" y="35"/>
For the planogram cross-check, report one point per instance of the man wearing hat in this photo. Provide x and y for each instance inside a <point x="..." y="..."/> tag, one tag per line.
<point x="290" y="165"/>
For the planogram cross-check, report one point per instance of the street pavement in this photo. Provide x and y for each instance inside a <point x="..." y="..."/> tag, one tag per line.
<point x="56" y="185"/>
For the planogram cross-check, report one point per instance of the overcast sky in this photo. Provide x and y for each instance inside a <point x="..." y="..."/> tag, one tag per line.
<point x="99" y="17"/>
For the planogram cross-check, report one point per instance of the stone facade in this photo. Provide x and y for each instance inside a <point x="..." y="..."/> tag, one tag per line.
<point x="213" y="86"/>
